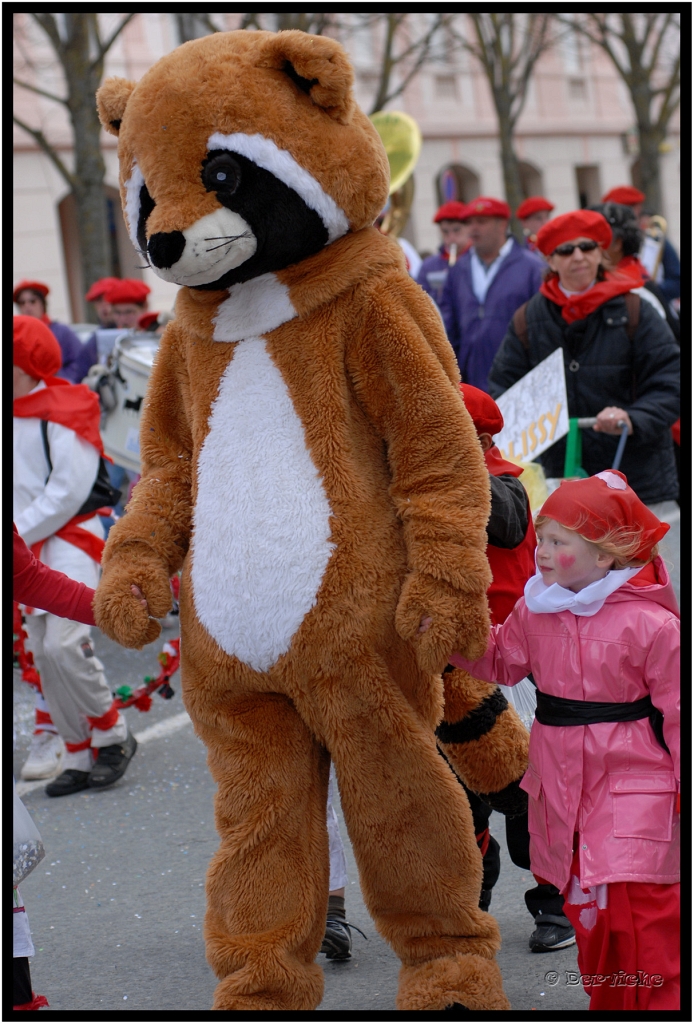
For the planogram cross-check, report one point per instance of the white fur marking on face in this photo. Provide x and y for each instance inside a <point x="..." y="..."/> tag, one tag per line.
<point x="132" y="203"/>
<point x="266" y="154"/>
<point x="215" y="244"/>
<point x="261" y="525"/>
<point x="253" y="307"/>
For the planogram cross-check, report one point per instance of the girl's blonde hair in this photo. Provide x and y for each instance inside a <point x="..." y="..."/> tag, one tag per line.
<point x="621" y="543"/>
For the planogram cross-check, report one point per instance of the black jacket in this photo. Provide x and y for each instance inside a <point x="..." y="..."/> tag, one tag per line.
<point x="603" y="367"/>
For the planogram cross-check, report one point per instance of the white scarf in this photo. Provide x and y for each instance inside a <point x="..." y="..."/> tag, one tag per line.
<point x="483" y="275"/>
<point x="541" y="599"/>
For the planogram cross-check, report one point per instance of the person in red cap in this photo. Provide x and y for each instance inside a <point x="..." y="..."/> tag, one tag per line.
<point x="128" y="300"/>
<point x="30" y="299"/>
<point x="621" y="361"/>
<point x="668" y="273"/>
<point x="452" y="219"/>
<point x="622" y="256"/>
<point x="598" y="626"/>
<point x="97" y="296"/>
<point x="57" y="460"/>
<point x="532" y="214"/>
<point x="511" y="554"/>
<point x="485" y="287"/>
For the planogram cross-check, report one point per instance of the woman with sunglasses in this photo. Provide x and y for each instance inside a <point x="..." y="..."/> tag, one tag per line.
<point x="620" y="358"/>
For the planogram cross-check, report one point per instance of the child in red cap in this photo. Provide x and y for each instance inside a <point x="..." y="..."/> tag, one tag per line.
<point x="511" y="554"/>
<point x="599" y="628"/>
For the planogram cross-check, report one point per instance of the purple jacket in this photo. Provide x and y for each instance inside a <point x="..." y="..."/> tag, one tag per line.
<point x="476" y="331"/>
<point x="438" y="263"/>
<point x="71" y="347"/>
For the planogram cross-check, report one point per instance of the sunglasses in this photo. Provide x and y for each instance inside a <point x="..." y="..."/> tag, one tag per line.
<point x="567" y="249"/>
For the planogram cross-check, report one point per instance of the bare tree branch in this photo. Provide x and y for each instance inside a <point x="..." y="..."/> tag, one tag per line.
<point x="39" y="92"/>
<point x="50" y="27"/>
<point x="50" y="152"/>
<point x="105" y="47"/>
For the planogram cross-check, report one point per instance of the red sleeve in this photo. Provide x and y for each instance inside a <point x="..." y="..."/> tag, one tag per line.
<point x="38" y="586"/>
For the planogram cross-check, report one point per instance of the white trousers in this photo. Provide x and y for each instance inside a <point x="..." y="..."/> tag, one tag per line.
<point x="72" y="679"/>
<point x="338" y="865"/>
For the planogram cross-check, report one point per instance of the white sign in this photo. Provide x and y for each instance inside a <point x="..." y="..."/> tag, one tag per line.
<point x="535" y="410"/>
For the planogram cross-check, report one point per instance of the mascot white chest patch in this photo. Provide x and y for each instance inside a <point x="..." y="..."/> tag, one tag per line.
<point x="261" y="538"/>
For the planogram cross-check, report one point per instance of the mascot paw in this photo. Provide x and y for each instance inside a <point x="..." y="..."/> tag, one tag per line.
<point x="118" y="612"/>
<point x="438" y="619"/>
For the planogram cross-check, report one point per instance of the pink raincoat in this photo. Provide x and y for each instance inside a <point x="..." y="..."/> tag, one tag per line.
<point x="611" y="782"/>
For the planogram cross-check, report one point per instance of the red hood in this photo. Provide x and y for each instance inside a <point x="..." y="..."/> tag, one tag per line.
<point x="660" y="593"/>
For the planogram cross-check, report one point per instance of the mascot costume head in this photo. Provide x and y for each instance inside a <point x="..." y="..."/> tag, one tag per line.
<point x="308" y="464"/>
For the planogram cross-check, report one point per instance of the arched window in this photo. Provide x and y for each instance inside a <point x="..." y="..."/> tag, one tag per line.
<point x="124" y="261"/>
<point x="457" y="182"/>
<point x="531" y="180"/>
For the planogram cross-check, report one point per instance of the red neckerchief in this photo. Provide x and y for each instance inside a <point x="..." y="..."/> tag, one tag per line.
<point x="578" y="307"/>
<point x="632" y="266"/>
<point x="497" y="464"/>
<point x="76" y="407"/>
<point x="72" y="405"/>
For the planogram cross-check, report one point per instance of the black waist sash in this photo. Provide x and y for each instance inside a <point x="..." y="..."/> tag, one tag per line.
<point x="562" y="712"/>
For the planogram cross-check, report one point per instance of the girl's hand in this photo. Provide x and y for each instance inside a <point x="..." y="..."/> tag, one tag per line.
<point x="140" y="596"/>
<point x="610" y="420"/>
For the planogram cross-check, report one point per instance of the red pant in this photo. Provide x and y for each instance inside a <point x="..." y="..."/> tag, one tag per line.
<point x="629" y="944"/>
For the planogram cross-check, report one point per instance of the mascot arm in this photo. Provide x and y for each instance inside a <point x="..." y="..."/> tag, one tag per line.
<point x="440" y="484"/>
<point x="484" y="741"/>
<point x="148" y="544"/>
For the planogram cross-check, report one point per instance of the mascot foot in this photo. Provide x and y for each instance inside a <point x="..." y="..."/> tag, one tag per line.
<point x="465" y="981"/>
<point x="274" y="987"/>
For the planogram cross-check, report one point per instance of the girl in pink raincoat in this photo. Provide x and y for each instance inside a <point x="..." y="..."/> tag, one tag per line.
<point x="598" y="627"/>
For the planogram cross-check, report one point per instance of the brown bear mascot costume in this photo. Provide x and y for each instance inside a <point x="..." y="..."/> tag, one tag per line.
<point x="308" y="463"/>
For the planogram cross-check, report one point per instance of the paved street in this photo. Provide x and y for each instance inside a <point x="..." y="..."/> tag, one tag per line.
<point x="116" y="908"/>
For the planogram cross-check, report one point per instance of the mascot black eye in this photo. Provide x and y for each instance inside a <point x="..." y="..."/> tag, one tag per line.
<point x="221" y="173"/>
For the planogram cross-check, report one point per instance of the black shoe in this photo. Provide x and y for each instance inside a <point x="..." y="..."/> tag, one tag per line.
<point x="112" y="762"/>
<point x="337" y="941"/>
<point x="553" y="931"/>
<point x="69" y="781"/>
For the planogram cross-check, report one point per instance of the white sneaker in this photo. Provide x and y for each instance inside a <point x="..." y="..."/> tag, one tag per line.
<point x="45" y="756"/>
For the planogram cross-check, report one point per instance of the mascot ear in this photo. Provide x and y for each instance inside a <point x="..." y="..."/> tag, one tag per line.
<point x="111" y="101"/>
<point x="318" y="66"/>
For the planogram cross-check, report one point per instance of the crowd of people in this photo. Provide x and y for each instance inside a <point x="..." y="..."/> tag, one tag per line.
<point x="589" y="566"/>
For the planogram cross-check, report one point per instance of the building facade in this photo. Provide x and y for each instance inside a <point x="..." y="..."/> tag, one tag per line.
<point x="575" y="140"/>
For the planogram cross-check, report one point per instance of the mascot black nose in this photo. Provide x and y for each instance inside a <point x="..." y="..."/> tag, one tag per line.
<point x="166" y="248"/>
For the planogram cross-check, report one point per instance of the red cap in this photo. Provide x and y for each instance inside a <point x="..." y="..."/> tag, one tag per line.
<point x="35" y="286"/>
<point x="486" y="206"/>
<point x="624" y="195"/>
<point x="35" y="348"/>
<point x="577" y="224"/>
<point x="126" y="291"/>
<point x="485" y="413"/>
<point x="533" y="205"/>
<point x="600" y="504"/>
<point x="146" y="320"/>
<point x="452" y="211"/>
<point x="99" y="288"/>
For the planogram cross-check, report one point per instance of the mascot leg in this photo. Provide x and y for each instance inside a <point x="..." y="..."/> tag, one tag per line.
<point x="413" y="839"/>
<point x="267" y="884"/>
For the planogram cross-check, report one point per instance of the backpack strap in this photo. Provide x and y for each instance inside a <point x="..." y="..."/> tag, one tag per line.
<point x="46" y="447"/>
<point x="633" y="304"/>
<point x="520" y="324"/>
